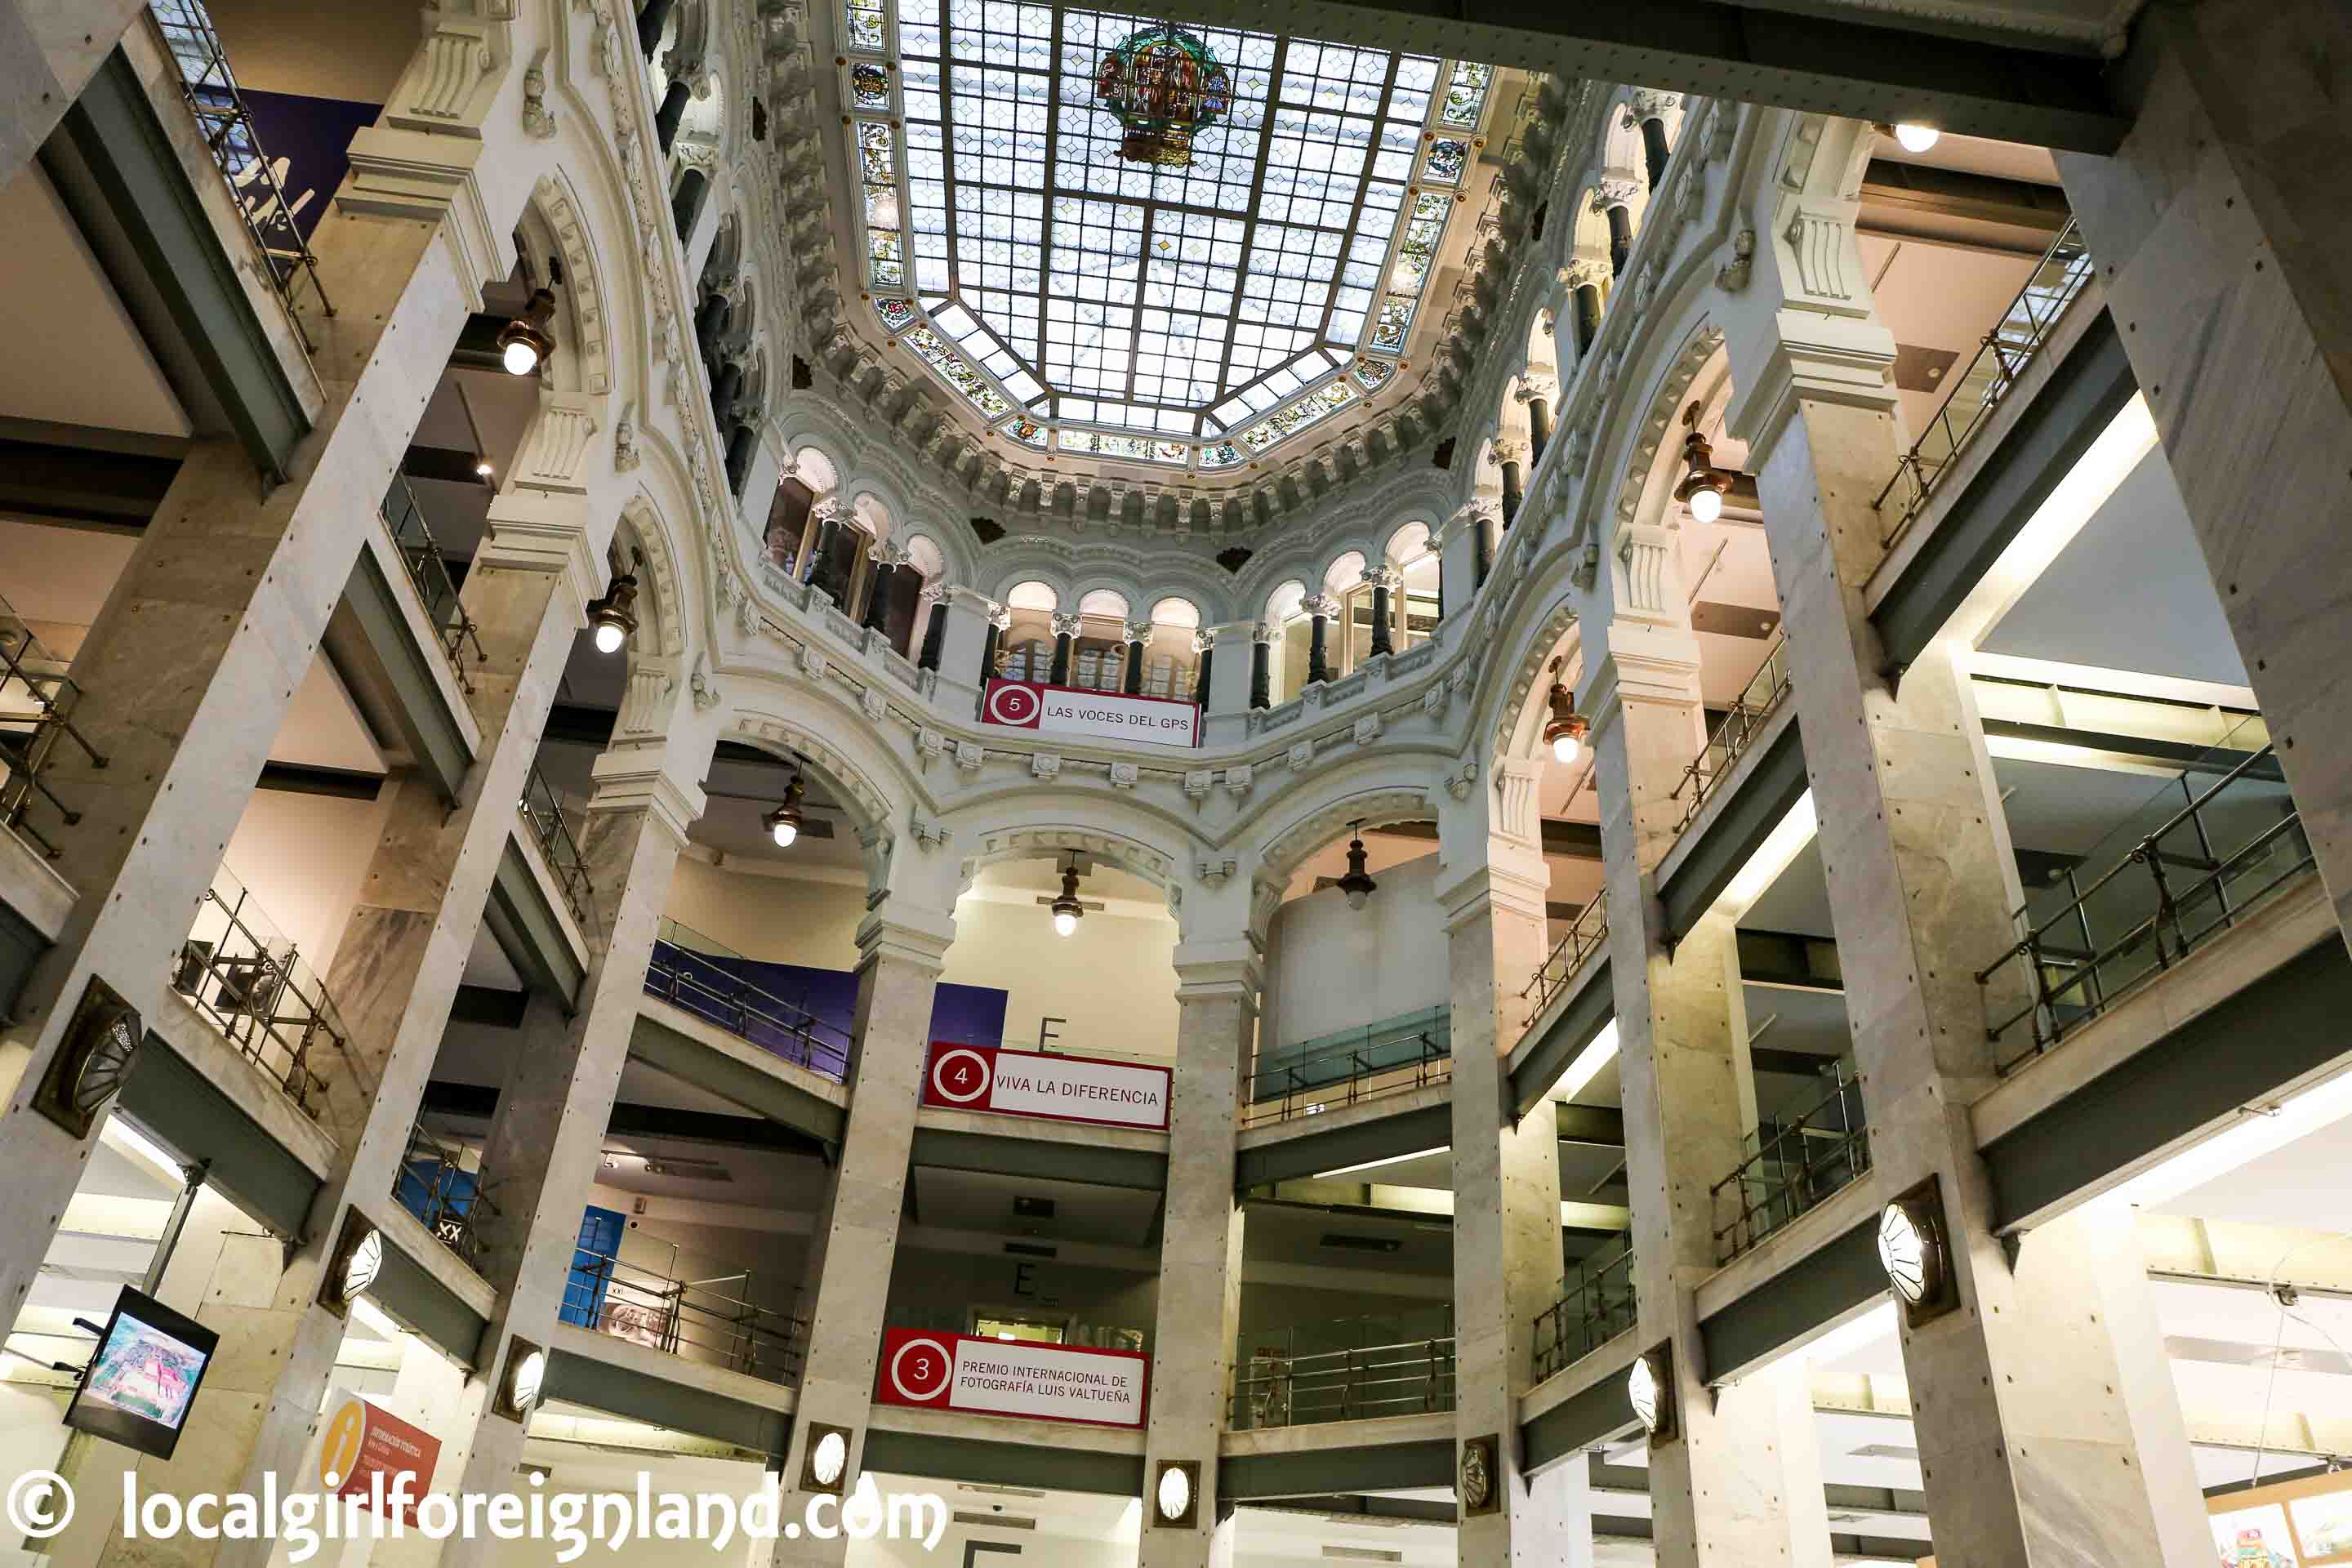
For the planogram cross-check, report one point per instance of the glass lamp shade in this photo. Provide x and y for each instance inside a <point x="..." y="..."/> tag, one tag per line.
<point x="830" y="1458"/>
<point x="1641" y="1389"/>
<point x="1902" y="1252"/>
<point x="1174" y="1494"/>
<point x="609" y="638"/>
<point x="1065" y="921"/>
<point x="1707" y="504"/>
<point x="364" y="1264"/>
<point x="1917" y="138"/>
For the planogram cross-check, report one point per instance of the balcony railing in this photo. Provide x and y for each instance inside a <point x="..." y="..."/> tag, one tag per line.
<point x="36" y="703"/>
<point x="1390" y="1375"/>
<point x="1797" y="1164"/>
<point x="1405" y="1053"/>
<point x="1583" y="938"/>
<point x="435" y="1185"/>
<point x="1736" y="733"/>
<point x="716" y="1322"/>
<point x="2219" y="854"/>
<point x="713" y="995"/>
<point x="251" y="980"/>
<point x="452" y="626"/>
<point x="227" y="129"/>
<point x="551" y="825"/>
<point x="1597" y="1307"/>
<point x="2022" y="332"/>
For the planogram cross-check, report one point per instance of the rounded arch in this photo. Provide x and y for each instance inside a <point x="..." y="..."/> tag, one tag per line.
<point x="555" y="224"/>
<point x="861" y="784"/>
<point x="1344" y="805"/>
<point x="1106" y="602"/>
<point x="1175" y="611"/>
<point x="1284" y="602"/>
<point x="642" y="542"/>
<point x="924" y="555"/>
<point x="1344" y="573"/>
<point x="1408" y="544"/>
<point x="1033" y="594"/>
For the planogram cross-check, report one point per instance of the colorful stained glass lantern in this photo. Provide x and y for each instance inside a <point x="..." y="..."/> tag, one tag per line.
<point x="1166" y="87"/>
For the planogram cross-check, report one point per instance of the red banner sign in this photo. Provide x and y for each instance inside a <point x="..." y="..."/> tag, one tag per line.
<point x="1056" y="1088"/>
<point x="1013" y="1377"/>
<point x="1095" y="715"/>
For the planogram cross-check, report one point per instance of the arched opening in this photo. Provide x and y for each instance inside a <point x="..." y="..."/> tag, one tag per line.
<point x="1028" y="641"/>
<point x="1287" y="618"/>
<point x="1171" y="663"/>
<point x="1419" y="602"/>
<point x="1099" y="655"/>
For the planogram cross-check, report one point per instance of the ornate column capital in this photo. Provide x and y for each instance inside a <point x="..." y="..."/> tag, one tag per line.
<point x="1135" y="631"/>
<point x="1536" y="384"/>
<point x="1321" y="604"/>
<point x="1001" y="617"/>
<point x="1614" y="192"/>
<point x="1381" y="577"/>
<point x="1648" y="103"/>
<point x="1066" y="626"/>
<point x="1584" y="272"/>
<point x="1205" y="639"/>
<point x="1265" y="632"/>
<point x="1510" y="449"/>
<point x="884" y="553"/>
<point x="934" y="592"/>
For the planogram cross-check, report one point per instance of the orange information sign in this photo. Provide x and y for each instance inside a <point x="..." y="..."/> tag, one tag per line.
<point x="368" y="1453"/>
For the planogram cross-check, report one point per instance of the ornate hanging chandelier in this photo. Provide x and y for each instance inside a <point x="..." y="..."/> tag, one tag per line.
<point x="1166" y="87"/>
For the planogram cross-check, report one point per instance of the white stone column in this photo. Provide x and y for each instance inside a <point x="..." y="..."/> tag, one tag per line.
<point x="239" y="587"/>
<point x="2030" y="1450"/>
<point x="1508" y="1264"/>
<point x="854" y="1245"/>
<point x="546" y="1139"/>
<point x="1199" y="1313"/>
<point x="2220" y="235"/>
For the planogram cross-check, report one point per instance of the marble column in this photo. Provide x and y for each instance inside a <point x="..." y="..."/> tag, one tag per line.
<point x="1586" y="295"/>
<point x="887" y="559"/>
<point x="1485" y="523"/>
<point x="934" y="616"/>
<point x="1262" y="637"/>
<point x="992" y="647"/>
<point x="1510" y="455"/>
<point x="1507" y="1259"/>
<point x="823" y="575"/>
<point x="653" y="17"/>
<point x="1613" y="204"/>
<point x="2030" y="1450"/>
<point x="671" y="115"/>
<point x="546" y="1139"/>
<point x="1725" y="1490"/>
<point x="1644" y="113"/>
<point x="2221" y="237"/>
<point x="1535" y="392"/>
<point x="1198" y="1317"/>
<point x="1065" y="637"/>
<point x="1138" y="633"/>
<point x="238" y="584"/>
<point x="1205" y="648"/>
<point x="854" y="1244"/>
<point x="1321" y="609"/>
<point x="1383" y="580"/>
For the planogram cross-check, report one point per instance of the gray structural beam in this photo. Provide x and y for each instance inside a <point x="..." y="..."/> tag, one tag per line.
<point x="659" y="1402"/>
<point x="524" y="922"/>
<point x="1383" y="1138"/>
<point x="1537" y="1064"/>
<point x="1373" y="1467"/>
<point x="1862" y="62"/>
<point x="1831" y="1281"/>
<point x="203" y="1123"/>
<point x="936" y="1457"/>
<point x="1758" y="802"/>
<point x="943" y="1150"/>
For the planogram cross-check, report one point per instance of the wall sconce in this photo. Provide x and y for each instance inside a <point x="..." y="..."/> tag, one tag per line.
<point x="1916" y="1251"/>
<point x="1703" y="483"/>
<point x="825" y="1463"/>
<point x="353" y="1265"/>
<point x="1357" y="883"/>
<point x="1176" y="1495"/>
<point x="526" y="1374"/>
<point x="1650" y="1387"/>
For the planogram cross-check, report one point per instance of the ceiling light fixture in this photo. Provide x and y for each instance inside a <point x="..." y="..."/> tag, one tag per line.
<point x="1357" y="883"/>
<point x="1912" y="1250"/>
<point x="525" y="342"/>
<point x="1915" y="137"/>
<point x="612" y="614"/>
<point x="784" y="822"/>
<point x="1067" y="910"/>
<point x="1703" y="483"/>
<point x="1565" y="730"/>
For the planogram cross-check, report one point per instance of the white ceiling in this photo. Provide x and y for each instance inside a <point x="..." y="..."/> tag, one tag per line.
<point x="113" y="383"/>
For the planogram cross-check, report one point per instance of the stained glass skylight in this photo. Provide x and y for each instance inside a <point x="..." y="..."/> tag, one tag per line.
<point x="1154" y="243"/>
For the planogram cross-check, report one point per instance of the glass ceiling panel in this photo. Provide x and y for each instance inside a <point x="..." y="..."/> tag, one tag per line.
<point x="1087" y="221"/>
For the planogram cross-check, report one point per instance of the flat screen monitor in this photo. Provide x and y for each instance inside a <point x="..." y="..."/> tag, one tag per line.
<point x="143" y="1381"/>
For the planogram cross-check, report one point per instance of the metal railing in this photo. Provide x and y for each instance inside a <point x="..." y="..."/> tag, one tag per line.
<point x="1797" y="1164"/>
<point x="251" y="980"/>
<point x="1404" y="1053"/>
<point x="742" y="1009"/>
<point x="551" y="823"/>
<point x="1738" y="732"/>
<point x="453" y="628"/>
<point x="1582" y="938"/>
<point x="1397" y="1376"/>
<point x="254" y="179"/>
<point x="2021" y="333"/>
<point x="452" y="1201"/>
<point x="2217" y="856"/>
<point x="715" y="1323"/>
<point x="1597" y="1306"/>
<point x="36" y="703"/>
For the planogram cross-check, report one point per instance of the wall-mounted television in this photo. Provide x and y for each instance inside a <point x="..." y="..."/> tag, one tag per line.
<point x="143" y="1381"/>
